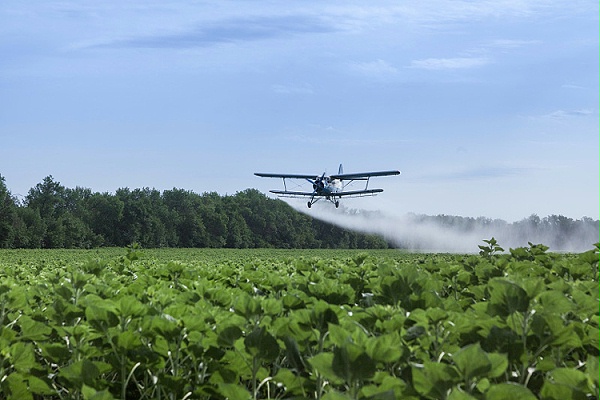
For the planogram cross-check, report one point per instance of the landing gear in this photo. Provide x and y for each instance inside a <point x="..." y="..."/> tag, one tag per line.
<point x="332" y="199"/>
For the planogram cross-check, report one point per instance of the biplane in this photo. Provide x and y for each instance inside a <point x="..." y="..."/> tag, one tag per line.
<point x="330" y="187"/>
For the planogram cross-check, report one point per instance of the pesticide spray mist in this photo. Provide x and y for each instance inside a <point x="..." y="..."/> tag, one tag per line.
<point x="459" y="234"/>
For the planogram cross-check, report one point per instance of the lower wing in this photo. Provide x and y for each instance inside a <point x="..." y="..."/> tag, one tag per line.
<point x="287" y="193"/>
<point x="358" y="193"/>
<point x="351" y="193"/>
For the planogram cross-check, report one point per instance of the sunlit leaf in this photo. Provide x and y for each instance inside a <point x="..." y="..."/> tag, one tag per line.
<point x="22" y="357"/>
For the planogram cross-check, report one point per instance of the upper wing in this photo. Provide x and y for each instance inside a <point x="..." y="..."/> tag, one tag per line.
<point x="362" y="175"/>
<point x="292" y="176"/>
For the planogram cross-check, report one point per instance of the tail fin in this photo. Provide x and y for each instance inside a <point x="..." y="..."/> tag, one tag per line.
<point x="340" y="170"/>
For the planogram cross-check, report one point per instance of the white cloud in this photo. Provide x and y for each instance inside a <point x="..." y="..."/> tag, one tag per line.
<point x="512" y="43"/>
<point x="449" y="63"/>
<point x="377" y="68"/>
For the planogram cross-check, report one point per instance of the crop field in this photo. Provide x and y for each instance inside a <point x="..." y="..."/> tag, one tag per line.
<point x="298" y="324"/>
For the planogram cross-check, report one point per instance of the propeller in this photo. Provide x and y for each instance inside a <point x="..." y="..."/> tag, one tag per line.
<point x="318" y="182"/>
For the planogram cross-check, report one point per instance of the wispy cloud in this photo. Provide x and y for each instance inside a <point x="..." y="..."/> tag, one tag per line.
<point x="512" y="43"/>
<point x="563" y="114"/>
<point x="228" y="31"/>
<point x="293" y="89"/>
<point x="449" y="63"/>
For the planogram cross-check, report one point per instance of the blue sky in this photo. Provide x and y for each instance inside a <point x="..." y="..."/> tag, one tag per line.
<point x="489" y="108"/>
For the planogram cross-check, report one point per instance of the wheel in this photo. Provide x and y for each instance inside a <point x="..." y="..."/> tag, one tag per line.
<point x="309" y="204"/>
<point x="337" y="204"/>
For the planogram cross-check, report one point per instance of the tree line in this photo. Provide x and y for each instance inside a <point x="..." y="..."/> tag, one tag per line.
<point x="53" y="216"/>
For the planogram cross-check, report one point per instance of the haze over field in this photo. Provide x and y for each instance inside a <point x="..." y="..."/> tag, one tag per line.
<point x="489" y="108"/>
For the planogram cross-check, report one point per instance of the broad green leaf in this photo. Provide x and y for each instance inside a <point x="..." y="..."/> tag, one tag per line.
<point x="291" y="302"/>
<point x="18" y="388"/>
<point x="389" y="387"/>
<point x="246" y="306"/>
<point x="323" y="362"/>
<point x="292" y="383"/>
<point x="436" y="315"/>
<point x="558" y="391"/>
<point x="569" y="377"/>
<point x="591" y="367"/>
<point x="471" y="361"/>
<point x="555" y="302"/>
<point x="39" y="386"/>
<point x="509" y="391"/>
<point x="130" y="307"/>
<point x="22" y="357"/>
<point x="338" y="335"/>
<point x="499" y="364"/>
<point x="457" y="394"/>
<point x="17" y="298"/>
<point x="167" y="328"/>
<point x="220" y="297"/>
<point x="335" y="395"/>
<point x="234" y="392"/>
<point x="386" y="348"/>
<point x="591" y="336"/>
<point x="33" y="330"/>
<point x="228" y="336"/>
<point x="80" y="372"/>
<point x="506" y="297"/>
<point x="102" y="312"/>
<point x="90" y="393"/>
<point x="262" y="344"/>
<point x="128" y="340"/>
<point x="433" y="380"/>
<point x="350" y="363"/>
<point x="322" y="315"/>
<point x="271" y="306"/>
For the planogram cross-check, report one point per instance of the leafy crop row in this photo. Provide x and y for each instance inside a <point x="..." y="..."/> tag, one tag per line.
<point x="251" y="325"/>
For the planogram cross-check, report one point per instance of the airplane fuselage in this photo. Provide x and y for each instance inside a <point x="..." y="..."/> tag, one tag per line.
<point x="328" y="187"/>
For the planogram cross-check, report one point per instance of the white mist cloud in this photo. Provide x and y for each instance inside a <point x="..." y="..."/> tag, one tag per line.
<point x="449" y="234"/>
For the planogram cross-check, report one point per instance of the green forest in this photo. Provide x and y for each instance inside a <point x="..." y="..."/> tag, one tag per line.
<point x="53" y="216"/>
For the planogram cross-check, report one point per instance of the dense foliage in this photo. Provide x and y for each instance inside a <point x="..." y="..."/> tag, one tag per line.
<point x="53" y="216"/>
<point x="275" y="324"/>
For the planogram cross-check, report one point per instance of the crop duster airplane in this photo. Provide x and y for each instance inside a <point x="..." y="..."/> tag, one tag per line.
<point x="329" y="187"/>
